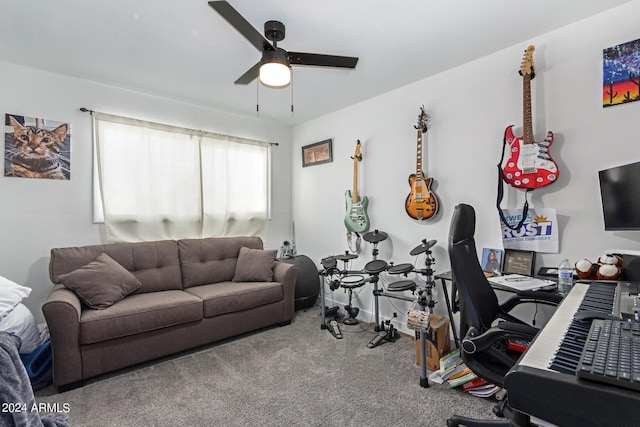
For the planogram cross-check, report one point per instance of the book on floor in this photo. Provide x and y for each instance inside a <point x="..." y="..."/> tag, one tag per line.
<point x="442" y="374"/>
<point x="450" y="359"/>
<point x="462" y="379"/>
<point x="473" y="384"/>
<point x="486" y="390"/>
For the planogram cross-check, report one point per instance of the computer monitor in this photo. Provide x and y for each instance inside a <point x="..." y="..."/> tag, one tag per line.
<point x="620" y="195"/>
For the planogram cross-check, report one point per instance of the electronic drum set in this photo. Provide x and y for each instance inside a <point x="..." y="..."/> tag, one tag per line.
<point x="349" y="280"/>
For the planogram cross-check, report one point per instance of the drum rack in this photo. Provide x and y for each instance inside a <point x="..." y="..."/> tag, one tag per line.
<point x="373" y="269"/>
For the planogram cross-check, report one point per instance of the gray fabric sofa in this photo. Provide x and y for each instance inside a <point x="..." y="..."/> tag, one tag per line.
<point x="188" y="296"/>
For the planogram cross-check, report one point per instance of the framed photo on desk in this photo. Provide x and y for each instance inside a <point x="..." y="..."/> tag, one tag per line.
<point x="492" y="261"/>
<point x="518" y="262"/>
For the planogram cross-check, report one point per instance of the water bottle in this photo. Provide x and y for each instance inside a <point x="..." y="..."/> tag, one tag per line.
<point x="565" y="276"/>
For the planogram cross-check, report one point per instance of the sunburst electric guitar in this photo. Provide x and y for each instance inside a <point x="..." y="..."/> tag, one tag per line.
<point x="421" y="203"/>
<point x="356" y="218"/>
<point x="529" y="164"/>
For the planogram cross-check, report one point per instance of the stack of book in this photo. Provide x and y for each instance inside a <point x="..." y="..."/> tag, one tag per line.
<point x="455" y="373"/>
<point x="480" y="388"/>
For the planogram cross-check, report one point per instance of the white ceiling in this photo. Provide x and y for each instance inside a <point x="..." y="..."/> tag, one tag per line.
<point x="185" y="51"/>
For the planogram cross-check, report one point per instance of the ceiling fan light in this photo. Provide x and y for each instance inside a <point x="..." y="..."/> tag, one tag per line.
<point x="274" y="69"/>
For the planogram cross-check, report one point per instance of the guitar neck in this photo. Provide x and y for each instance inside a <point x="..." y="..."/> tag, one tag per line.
<point x="354" y="193"/>
<point x="419" y="176"/>
<point x="527" y="123"/>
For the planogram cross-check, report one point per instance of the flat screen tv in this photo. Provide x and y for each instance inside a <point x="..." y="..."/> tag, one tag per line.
<point x="620" y="194"/>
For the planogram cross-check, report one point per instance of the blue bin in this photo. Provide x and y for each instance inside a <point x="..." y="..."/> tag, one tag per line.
<point x="38" y="361"/>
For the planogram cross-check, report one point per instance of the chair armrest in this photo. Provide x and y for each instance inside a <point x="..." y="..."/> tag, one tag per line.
<point x="475" y="341"/>
<point x="62" y="311"/>
<point x="544" y="297"/>
<point x="536" y="297"/>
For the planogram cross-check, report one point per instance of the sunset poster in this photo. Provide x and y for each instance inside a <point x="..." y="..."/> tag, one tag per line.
<point x="621" y="73"/>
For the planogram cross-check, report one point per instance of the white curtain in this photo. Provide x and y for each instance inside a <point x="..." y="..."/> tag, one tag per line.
<point x="163" y="182"/>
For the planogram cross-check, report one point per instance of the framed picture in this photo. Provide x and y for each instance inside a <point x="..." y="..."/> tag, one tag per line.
<point x="519" y="262"/>
<point x="492" y="261"/>
<point x="315" y="154"/>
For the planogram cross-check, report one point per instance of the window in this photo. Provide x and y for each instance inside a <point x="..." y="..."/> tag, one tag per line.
<point x="162" y="182"/>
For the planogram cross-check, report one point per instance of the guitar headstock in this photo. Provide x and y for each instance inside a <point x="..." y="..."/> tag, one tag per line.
<point x="357" y="155"/>
<point x="527" y="62"/>
<point x="423" y="118"/>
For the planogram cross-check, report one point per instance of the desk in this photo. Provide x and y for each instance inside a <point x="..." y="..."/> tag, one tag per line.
<point x="452" y="305"/>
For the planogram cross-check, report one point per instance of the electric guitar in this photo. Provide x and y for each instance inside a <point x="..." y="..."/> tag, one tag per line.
<point x="421" y="203"/>
<point x="356" y="218"/>
<point x="529" y="165"/>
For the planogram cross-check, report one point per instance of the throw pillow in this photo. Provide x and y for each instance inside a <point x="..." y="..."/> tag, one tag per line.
<point x="101" y="283"/>
<point x="11" y="294"/>
<point x="255" y="265"/>
<point x="21" y="322"/>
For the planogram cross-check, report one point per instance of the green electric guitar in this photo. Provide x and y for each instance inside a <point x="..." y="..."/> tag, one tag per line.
<point x="356" y="218"/>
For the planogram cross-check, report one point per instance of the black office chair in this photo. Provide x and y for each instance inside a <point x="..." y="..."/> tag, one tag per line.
<point x="485" y="324"/>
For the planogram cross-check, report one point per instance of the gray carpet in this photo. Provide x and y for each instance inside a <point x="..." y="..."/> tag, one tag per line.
<point x="296" y="375"/>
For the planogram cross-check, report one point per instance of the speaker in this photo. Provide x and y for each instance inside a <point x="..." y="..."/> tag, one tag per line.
<point x="307" y="282"/>
<point x="631" y="265"/>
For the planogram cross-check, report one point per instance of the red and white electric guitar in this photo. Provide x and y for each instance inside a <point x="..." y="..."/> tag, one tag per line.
<point x="529" y="164"/>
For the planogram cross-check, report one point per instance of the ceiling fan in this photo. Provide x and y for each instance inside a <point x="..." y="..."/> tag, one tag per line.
<point x="274" y="69"/>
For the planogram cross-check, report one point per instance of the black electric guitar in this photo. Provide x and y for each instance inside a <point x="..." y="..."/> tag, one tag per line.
<point x="421" y="203"/>
<point x="529" y="164"/>
<point x="356" y="218"/>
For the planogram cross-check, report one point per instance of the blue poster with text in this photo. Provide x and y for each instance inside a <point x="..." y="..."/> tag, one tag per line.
<point x="539" y="232"/>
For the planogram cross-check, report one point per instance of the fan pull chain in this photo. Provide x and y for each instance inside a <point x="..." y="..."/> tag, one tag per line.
<point x="292" y="91"/>
<point x="257" y="95"/>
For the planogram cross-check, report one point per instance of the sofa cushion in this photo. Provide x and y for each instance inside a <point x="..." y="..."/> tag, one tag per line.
<point x="213" y="259"/>
<point x="155" y="264"/>
<point x="101" y="283"/>
<point x="255" y="265"/>
<point x="138" y="314"/>
<point x="229" y="297"/>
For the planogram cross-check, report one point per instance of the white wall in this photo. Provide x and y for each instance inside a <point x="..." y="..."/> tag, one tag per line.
<point x="38" y="214"/>
<point x="470" y="106"/>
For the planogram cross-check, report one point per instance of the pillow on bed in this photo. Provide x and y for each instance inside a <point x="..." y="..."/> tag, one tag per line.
<point x="101" y="283"/>
<point x="255" y="265"/>
<point x="21" y="322"/>
<point x="11" y="294"/>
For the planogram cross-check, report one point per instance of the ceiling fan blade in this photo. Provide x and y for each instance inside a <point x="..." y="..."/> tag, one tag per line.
<point x="249" y="76"/>
<point x="315" y="59"/>
<point x="238" y="22"/>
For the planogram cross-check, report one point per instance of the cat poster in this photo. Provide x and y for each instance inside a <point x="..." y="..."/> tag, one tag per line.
<point x="36" y="148"/>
